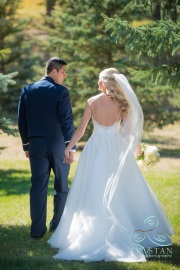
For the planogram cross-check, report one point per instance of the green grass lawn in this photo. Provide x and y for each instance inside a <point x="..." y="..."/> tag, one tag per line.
<point x="19" y="251"/>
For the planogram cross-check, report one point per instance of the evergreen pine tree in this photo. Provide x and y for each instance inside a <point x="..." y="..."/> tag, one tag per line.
<point x="20" y="58"/>
<point x="156" y="47"/>
<point x="5" y="80"/>
<point x="78" y="36"/>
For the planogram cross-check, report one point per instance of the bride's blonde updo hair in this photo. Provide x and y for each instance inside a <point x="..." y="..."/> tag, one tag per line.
<point x="113" y="90"/>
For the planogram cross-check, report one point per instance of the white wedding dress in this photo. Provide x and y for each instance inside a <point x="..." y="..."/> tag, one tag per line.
<point x="111" y="213"/>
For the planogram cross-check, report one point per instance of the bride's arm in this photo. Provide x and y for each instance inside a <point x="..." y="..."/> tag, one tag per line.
<point x="80" y="130"/>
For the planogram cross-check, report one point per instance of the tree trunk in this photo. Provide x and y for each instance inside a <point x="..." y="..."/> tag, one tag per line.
<point x="49" y="6"/>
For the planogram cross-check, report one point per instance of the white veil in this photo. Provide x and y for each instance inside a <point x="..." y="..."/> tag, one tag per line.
<point x="132" y="126"/>
<point x="131" y="129"/>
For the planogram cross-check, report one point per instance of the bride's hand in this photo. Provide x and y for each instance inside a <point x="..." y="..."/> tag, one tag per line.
<point x="68" y="156"/>
<point x="139" y="150"/>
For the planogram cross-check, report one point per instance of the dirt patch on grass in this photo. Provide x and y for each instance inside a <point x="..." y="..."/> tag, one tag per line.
<point x="167" y="139"/>
<point x="167" y="136"/>
<point x="11" y="148"/>
<point x="168" y="164"/>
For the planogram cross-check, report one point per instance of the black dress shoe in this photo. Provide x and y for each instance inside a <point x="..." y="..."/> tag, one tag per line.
<point x="36" y="237"/>
<point x="51" y="229"/>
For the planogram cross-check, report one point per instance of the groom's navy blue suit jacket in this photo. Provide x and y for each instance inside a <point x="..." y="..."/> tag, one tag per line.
<point x="45" y="111"/>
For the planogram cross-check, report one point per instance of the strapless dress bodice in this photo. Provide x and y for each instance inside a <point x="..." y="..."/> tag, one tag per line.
<point x="100" y="129"/>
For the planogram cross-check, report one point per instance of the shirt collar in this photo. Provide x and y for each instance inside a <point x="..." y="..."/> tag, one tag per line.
<point x="48" y="79"/>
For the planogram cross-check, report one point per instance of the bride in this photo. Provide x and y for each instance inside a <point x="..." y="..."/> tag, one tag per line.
<point x="111" y="212"/>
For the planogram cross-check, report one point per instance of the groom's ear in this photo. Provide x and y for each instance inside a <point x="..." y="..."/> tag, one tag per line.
<point x="54" y="71"/>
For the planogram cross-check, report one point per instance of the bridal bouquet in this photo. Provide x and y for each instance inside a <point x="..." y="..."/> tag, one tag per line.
<point x="149" y="157"/>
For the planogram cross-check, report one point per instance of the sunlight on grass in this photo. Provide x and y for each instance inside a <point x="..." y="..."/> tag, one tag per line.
<point x="15" y="186"/>
<point x="19" y="251"/>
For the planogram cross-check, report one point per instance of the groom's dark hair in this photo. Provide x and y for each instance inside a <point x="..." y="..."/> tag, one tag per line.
<point x="55" y="63"/>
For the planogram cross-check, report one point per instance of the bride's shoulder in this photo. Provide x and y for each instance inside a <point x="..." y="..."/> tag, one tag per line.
<point x="94" y="98"/>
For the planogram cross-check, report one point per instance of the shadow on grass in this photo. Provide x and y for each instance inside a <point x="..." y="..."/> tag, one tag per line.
<point x="15" y="182"/>
<point x="19" y="251"/>
<point x="172" y="153"/>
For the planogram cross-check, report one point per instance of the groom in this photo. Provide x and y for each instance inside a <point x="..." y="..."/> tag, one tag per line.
<point x="46" y="126"/>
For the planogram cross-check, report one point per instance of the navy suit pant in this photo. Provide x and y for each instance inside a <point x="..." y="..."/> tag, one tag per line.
<point x="46" y="154"/>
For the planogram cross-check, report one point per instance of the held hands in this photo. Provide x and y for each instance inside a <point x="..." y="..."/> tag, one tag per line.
<point x="68" y="156"/>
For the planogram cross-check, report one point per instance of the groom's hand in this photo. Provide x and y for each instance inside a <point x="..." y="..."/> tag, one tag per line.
<point x="27" y="154"/>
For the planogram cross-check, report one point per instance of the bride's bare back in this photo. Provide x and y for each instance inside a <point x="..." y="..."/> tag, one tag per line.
<point x="105" y="110"/>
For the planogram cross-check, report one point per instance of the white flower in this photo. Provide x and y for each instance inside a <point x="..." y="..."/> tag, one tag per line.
<point x="152" y="150"/>
<point x="141" y="163"/>
<point x="149" y="157"/>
